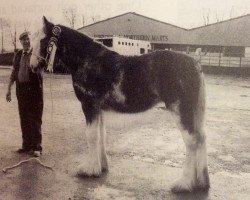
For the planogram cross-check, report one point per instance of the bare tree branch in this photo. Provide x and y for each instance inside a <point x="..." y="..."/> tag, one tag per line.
<point x="206" y="17"/>
<point x="95" y="18"/>
<point x="83" y="20"/>
<point x="13" y="35"/>
<point x="26" y="25"/>
<point x="3" y="23"/>
<point x="70" y="16"/>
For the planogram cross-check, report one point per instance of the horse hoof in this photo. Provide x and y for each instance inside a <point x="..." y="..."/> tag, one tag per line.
<point x="182" y="186"/>
<point x="202" y="186"/>
<point x="203" y="182"/>
<point x="105" y="169"/>
<point x="105" y="166"/>
<point x="85" y="170"/>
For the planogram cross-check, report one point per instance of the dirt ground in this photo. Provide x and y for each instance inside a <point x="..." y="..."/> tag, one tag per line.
<point x="145" y="151"/>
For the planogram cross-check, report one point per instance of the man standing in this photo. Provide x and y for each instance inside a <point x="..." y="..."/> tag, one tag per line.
<point x="29" y="92"/>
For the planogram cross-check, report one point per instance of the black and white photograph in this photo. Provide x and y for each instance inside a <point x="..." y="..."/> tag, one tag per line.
<point x="125" y="100"/>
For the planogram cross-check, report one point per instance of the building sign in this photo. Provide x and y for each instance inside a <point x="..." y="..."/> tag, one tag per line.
<point x="148" y="37"/>
<point x="162" y="38"/>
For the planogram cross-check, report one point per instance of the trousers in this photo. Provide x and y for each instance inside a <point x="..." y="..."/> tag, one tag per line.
<point x="30" y="105"/>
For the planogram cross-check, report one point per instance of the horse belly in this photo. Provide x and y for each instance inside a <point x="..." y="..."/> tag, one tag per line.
<point x="133" y="99"/>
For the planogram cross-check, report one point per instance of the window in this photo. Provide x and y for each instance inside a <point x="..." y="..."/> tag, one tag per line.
<point x="142" y="50"/>
<point x="126" y="43"/>
<point x="108" y="42"/>
<point x="119" y="42"/>
<point x="122" y="43"/>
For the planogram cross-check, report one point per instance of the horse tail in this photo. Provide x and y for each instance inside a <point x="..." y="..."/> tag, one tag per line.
<point x="200" y="106"/>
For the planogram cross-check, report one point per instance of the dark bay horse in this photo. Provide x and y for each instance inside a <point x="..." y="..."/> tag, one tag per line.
<point x="104" y="80"/>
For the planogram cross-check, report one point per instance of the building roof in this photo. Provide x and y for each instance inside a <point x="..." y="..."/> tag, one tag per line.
<point x="133" y="13"/>
<point x="232" y="32"/>
<point x="137" y="27"/>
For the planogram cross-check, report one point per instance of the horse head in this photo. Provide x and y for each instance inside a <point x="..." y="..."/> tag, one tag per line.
<point x="44" y="46"/>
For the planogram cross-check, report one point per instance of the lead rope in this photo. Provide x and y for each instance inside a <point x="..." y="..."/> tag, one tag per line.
<point x="6" y="169"/>
<point x="52" y="104"/>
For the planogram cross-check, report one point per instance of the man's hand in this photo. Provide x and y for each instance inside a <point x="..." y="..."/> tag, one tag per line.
<point x="8" y="96"/>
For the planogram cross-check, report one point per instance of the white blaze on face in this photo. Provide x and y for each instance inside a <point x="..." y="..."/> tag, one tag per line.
<point x="36" y="38"/>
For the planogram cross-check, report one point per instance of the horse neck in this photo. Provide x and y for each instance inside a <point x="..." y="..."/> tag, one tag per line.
<point x="76" y="47"/>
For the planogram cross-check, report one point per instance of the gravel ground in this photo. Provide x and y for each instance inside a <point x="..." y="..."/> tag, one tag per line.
<point x="145" y="150"/>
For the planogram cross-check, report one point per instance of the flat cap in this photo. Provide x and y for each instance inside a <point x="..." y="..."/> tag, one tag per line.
<point x="24" y="34"/>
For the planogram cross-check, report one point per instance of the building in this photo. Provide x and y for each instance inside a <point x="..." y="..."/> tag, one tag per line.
<point x="224" y="43"/>
<point x="161" y="35"/>
<point x="229" y="37"/>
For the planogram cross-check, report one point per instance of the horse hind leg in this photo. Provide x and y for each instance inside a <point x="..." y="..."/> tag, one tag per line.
<point x="195" y="172"/>
<point x="188" y="181"/>
<point x="202" y="169"/>
<point x="199" y="115"/>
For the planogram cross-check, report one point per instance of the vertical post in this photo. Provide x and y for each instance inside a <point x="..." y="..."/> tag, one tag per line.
<point x="1" y="21"/>
<point x="187" y="49"/>
<point x="209" y="59"/>
<point x="152" y="47"/>
<point x="240" y="61"/>
<point x="220" y="56"/>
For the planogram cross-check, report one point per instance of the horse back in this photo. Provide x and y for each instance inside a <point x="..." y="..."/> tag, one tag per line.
<point x="158" y="76"/>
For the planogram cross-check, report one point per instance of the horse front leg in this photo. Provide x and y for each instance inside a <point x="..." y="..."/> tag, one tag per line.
<point x="92" y="165"/>
<point x="104" y="158"/>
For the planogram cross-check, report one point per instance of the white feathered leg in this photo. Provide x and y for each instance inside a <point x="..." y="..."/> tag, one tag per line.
<point x="91" y="166"/>
<point x="188" y="181"/>
<point x="103" y="154"/>
<point x="202" y="169"/>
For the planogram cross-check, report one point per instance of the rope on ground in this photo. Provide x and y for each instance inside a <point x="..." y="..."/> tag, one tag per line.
<point x="25" y="161"/>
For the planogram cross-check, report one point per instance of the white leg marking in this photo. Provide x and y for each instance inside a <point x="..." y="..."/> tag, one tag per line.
<point x="188" y="181"/>
<point x="92" y="165"/>
<point x="202" y="169"/>
<point x="104" y="159"/>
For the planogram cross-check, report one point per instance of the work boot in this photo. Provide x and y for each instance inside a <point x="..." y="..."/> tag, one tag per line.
<point x="23" y="150"/>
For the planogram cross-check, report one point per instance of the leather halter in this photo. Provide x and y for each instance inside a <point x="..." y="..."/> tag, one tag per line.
<point x="52" y="47"/>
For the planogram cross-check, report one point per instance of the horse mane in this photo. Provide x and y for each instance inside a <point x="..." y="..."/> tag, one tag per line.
<point x="82" y="43"/>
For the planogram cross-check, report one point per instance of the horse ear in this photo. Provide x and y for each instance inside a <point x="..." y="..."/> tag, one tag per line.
<point x="47" y="26"/>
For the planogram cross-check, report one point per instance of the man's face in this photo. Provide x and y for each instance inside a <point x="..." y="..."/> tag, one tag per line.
<point x="25" y="41"/>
